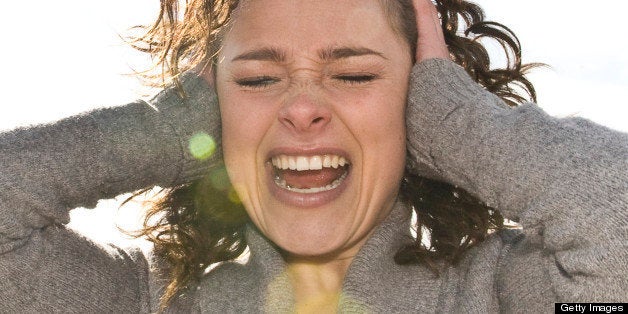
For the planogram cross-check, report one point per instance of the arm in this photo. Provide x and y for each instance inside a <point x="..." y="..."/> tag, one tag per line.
<point x="564" y="180"/>
<point x="48" y="170"/>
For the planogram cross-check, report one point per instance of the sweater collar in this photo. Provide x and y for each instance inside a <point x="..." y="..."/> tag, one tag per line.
<point x="377" y="253"/>
<point x="277" y="295"/>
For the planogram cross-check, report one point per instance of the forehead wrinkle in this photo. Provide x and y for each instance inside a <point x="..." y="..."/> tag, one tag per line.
<point x="336" y="53"/>
<point x="262" y="54"/>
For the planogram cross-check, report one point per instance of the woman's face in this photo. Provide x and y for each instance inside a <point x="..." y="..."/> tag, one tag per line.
<point x="312" y="96"/>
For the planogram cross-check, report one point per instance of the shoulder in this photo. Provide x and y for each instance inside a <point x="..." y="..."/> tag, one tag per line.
<point x="232" y="286"/>
<point x="232" y="274"/>
<point x="57" y="269"/>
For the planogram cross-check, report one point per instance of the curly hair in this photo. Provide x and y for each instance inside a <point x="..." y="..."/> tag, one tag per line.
<point x="198" y="224"/>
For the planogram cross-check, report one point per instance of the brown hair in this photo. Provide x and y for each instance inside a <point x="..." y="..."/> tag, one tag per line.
<point x="198" y="224"/>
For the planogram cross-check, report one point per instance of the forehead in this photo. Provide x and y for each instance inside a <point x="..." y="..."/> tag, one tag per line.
<point x="309" y="25"/>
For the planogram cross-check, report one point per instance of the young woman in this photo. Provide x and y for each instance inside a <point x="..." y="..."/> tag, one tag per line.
<point x="336" y="119"/>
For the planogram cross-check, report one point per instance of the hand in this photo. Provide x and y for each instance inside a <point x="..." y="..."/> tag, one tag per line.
<point x="431" y="41"/>
<point x="206" y="71"/>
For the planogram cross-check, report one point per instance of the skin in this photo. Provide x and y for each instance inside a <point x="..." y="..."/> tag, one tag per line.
<point x="431" y="41"/>
<point x="304" y="105"/>
<point x="298" y="101"/>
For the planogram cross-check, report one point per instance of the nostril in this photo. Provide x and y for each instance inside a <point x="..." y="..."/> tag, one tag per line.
<point x="304" y="114"/>
<point x="289" y="122"/>
<point x="317" y="120"/>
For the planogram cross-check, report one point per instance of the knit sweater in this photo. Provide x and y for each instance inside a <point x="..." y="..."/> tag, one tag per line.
<point x="564" y="180"/>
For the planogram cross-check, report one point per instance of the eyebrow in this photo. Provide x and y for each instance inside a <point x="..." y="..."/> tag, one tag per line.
<point x="262" y="54"/>
<point x="331" y="54"/>
<point x="328" y="54"/>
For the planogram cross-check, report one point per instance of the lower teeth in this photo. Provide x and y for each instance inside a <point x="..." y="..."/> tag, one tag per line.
<point x="282" y="184"/>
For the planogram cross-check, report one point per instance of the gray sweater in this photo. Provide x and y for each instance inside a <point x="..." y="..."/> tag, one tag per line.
<point x="564" y="180"/>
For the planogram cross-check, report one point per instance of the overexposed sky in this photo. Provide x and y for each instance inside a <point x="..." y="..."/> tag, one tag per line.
<point x="64" y="57"/>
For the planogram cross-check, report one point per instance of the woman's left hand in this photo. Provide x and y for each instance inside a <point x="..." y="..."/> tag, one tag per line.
<point x="431" y="41"/>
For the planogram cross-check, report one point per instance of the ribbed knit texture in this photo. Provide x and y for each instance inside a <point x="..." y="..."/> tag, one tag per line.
<point x="564" y="180"/>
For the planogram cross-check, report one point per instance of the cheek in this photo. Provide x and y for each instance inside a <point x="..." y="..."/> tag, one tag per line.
<point x="243" y="126"/>
<point x="379" y="126"/>
<point x="244" y="118"/>
<point x="242" y="132"/>
<point x="385" y="136"/>
<point x="377" y="119"/>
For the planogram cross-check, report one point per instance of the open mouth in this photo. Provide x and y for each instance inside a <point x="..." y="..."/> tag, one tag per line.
<point x="309" y="174"/>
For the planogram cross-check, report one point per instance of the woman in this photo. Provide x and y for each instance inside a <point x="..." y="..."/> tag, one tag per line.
<point x="315" y="129"/>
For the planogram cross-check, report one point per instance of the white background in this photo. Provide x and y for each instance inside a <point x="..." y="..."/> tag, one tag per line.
<point x="64" y="57"/>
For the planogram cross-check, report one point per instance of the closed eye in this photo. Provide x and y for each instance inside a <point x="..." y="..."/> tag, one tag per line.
<point x="355" y="78"/>
<point x="257" y="81"/>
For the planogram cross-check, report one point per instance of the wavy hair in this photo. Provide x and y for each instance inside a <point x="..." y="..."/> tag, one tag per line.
<point x="198" y="224"/>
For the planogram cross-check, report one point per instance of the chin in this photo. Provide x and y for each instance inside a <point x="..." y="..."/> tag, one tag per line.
<point x="309" y="202"/>
<point x="317" y="202"/>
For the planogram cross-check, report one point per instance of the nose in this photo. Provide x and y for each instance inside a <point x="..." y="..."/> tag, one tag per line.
<point x="305" y="114"/>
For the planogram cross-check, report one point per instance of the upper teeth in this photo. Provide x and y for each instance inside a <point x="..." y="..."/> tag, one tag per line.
<point x="301" y="163"/>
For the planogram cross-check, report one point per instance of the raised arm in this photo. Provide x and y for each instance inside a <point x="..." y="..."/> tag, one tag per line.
<point x="564" y="180"/>
<point x="48" y="170"/>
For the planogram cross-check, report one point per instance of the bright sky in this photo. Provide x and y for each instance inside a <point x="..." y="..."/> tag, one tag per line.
<point x="65" y="57"/>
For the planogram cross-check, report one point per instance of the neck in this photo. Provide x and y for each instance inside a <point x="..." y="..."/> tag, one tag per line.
<point x="314" y="284"/>
<point x="317" y="283"/>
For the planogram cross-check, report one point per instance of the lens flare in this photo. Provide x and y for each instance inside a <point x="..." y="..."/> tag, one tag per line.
<point x="202" y="146"/>
<point x="233" y="196"/>
<point x="220" y="179"/>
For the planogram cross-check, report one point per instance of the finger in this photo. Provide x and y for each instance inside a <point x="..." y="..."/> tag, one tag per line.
<point x="206" y="71"/>
<point x="431" y="41"/>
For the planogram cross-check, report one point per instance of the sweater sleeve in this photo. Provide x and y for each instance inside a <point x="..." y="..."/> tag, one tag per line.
<point x="564" y="180"/>
<point x="47" y="170"/>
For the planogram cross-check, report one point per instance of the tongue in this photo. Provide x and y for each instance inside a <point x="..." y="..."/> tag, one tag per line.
<point x="311" y="178"/>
